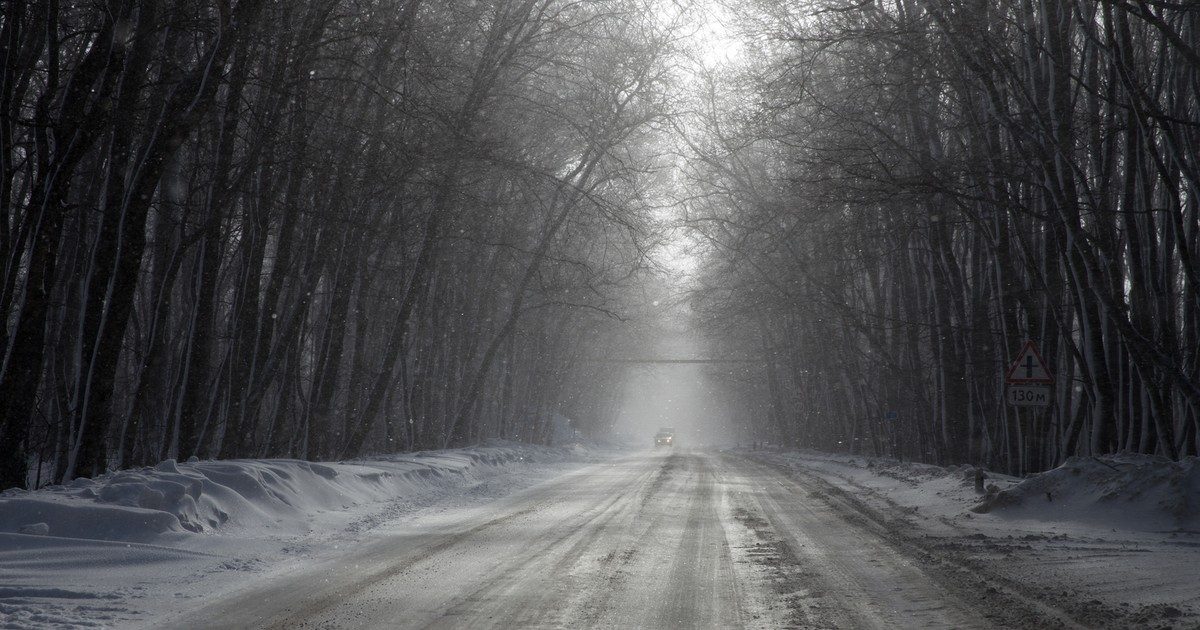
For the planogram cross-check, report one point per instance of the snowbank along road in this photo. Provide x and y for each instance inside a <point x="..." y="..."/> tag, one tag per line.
<point x="682" y="539"/>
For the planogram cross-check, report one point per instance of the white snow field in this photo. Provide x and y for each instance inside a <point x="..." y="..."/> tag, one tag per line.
<point x="518" y="536"/>
<point x="135" y="546"/>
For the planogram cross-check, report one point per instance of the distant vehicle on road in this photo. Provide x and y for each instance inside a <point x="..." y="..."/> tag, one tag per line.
<point x="664" y="437"/>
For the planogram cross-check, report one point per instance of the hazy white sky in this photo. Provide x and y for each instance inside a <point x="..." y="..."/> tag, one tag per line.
<point x="684" y="396"/>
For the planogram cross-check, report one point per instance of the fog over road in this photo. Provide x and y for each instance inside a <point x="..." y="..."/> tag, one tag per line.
<point x="655" y="539"/>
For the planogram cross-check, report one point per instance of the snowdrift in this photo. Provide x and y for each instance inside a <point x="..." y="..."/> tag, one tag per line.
<point x="1138" y="492"/>
<point x="1143" y="493"/>
<point x="196" y="497"/>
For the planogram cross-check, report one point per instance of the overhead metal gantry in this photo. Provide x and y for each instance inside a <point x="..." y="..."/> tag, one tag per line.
<point x="676" y="361"/>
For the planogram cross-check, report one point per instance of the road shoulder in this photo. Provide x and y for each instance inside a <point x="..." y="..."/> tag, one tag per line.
<point x="1018" y="571"/>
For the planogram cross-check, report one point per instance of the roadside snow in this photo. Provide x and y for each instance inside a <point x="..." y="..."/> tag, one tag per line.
<point x="131" y="546"/>
<point x="1114" y="540"/>
<point x="1134" y="492"/>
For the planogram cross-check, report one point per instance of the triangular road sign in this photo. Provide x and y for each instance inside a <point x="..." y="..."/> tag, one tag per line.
<point x="1029" y="367"/>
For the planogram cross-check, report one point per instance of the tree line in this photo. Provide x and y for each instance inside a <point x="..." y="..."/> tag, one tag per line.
<point x="313" y="229"/>
<point x="895" y="194"/>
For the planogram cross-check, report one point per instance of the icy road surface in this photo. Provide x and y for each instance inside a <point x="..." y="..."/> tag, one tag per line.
<point x="656" y="539"/>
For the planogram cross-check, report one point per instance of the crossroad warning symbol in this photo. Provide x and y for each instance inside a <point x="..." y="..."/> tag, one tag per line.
<point x="1029" y="367"/>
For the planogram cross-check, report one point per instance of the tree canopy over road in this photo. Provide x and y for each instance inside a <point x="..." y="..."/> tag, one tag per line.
<point x="318" y="229"/>
<point x="913" y="188"/>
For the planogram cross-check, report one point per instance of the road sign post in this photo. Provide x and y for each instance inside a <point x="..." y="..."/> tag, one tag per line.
<point x="892" y="432"/>
<point x="1028" y="379"/>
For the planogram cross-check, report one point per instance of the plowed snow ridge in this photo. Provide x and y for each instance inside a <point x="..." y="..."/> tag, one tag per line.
<point x="133" y="544"/>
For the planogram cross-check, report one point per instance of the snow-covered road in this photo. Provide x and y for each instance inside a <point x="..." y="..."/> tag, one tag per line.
<point x="510" y="535"/>
<point x="680" y="539"/>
